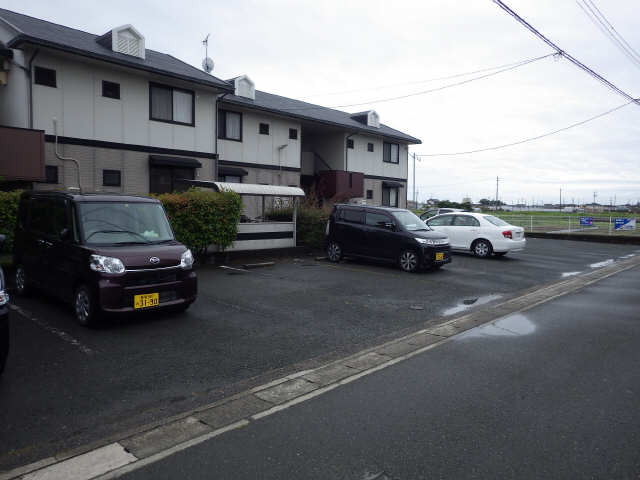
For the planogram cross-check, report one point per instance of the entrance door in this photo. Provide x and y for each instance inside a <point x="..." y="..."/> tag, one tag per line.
<point x="167" y="179"/>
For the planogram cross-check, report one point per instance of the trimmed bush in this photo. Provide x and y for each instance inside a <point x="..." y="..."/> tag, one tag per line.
<point x="311" y="222"/>
<point x="203" y="218"/>
<point x="8" y="215"/>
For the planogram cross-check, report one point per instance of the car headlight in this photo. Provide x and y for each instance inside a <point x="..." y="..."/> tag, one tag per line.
<point x="432" y="241"/>
<point x="186" y="260"/>
<point x="98" y="263"/>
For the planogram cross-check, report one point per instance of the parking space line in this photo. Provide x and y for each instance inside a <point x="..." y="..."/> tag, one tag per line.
<point x="51" y="329"/>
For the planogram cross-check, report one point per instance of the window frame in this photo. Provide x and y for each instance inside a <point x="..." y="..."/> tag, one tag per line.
<point x="370" y="147"/>
<point x="388" y="219"/>
<point x="397" y="189"/>
<point x="384" y="150"/>
<point x="107" y="82"/>
<point x="350" y="143"/>
<point x="109" y="171"/>
<point x="222" y="125"/>
<point x="266" y="130"/>
<point x="293" y="134"/>
<point x="172" y="89"/>
<point x="37" y="69"/>
<point x="57" y="176"/>
<point x="369" y="194"/>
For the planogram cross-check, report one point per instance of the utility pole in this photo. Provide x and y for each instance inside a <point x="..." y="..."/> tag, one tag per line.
<point x="414" y="180"/>
<point x="496" y="207"/>
<point x="560" y="208"/>
<point x="595" y="194"/>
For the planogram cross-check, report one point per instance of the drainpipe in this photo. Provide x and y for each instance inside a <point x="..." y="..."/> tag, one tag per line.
<point x="65" y="159"/>
<point x="28" y="71"/>
<point x="215" y="136"/>
<point x="280" y="148"/>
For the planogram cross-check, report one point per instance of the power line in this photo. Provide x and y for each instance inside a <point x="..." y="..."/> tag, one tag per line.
<point x="573" y="60"/>
<point x="630" y="48"/>
<point x="530" y="139"/>
<point x="611" y="35"/>
<point x="417" y="82"/>
<point x="424" y="92"/>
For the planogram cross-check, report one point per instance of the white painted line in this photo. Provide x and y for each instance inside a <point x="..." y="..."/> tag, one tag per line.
<point x="85" y="466"/>
<point x="166" y="453"/>
<point x="570" y="274"/>
<point x="602" y="264"/>
<point x="56" y="331"/>
<point x="235" y="269"/>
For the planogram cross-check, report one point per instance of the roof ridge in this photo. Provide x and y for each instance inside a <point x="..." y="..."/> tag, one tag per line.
<point x="46" y="21"/>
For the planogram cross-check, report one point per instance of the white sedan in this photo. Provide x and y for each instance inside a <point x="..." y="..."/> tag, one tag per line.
<point x="479" y="233"/>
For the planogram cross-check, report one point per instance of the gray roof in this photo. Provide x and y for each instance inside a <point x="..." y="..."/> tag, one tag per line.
<point x="40" y="32"/>
<point x="289" y="107"/>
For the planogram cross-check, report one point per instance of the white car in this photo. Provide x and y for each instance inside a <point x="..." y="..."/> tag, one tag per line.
<point x="479" y="233"/>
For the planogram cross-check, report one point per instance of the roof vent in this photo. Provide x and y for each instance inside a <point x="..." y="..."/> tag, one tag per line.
<point x="125" y="39"/>
<point x="244" y="87"/>
<point x="369" y="118"/>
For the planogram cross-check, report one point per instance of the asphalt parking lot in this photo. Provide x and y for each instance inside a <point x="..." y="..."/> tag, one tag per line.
<point x="66" y="386"/>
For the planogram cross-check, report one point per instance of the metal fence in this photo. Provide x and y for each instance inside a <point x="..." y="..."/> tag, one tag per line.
<point x="597" y="225"/>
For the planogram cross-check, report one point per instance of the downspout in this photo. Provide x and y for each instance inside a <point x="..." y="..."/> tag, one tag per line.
<point x="215" y="136"/>
<point x="28" y="70"/>
<point x="280" y="148"/>
<point x="65" y="159"/>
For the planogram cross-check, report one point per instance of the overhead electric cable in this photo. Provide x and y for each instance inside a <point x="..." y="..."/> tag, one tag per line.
<point x="566" y="55"/>
<point x="617" y="34"/>
<point x="424" y="92"/>
<point x="417" y="82"/>
<point x="530" y="139"/>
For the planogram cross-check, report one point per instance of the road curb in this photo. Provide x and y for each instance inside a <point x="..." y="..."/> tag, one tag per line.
<point x="163" y="438"/>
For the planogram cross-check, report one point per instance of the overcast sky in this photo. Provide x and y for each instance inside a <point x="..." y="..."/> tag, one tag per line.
<point x="311" y="49"/>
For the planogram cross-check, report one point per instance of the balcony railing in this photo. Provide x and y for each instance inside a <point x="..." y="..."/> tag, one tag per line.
<point x="340" y="184"/>
<point x="21" y="154"/>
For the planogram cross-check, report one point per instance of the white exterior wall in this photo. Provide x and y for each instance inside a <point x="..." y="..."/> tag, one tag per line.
<point x="82" y="112"/>
<point x="14" y="97"/>
<point x="331" y="148"/>
<point x="370" y="163"/>
<point x="262" y="149"/>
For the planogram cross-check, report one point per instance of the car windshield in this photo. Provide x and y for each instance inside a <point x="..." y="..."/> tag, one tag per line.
<point x="410" y="221"/>
<point x="498" y="222"/>
<point x="115" y="223"/>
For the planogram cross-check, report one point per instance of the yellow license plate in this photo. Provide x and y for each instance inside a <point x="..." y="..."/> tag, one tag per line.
<point x="146" y="300"/>
<point x="439" y="256"/>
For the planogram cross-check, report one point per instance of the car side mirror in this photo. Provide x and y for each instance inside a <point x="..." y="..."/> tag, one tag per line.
<point x="65" y="234"/>
<point x="390" y="226"/>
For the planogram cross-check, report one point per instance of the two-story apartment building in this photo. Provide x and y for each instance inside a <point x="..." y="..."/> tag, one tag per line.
<point x="139" y="121"/>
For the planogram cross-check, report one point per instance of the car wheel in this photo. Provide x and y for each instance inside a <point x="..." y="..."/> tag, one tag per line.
<point x="499" y="254"/>
<point x="334" y="252"/>
<point x="482" y="248"/>
<point x="22" y="285"/>
<point x="84" y="306"/>
<point x="408" y="261"/>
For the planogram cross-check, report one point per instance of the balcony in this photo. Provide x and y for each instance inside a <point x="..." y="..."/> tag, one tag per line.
<point x="340" y="184"/>
<point x="21" y="154"/>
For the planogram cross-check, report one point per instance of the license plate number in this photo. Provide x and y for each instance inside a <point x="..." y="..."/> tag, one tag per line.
<point x="439" y="256"/>
<point x="146" y="300"/>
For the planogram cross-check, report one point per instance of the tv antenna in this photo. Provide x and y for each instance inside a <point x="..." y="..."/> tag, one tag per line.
<point x="207" y="63"/>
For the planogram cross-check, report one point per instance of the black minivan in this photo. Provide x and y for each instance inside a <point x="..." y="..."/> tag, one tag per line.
<point x="391" y="234"/>
<point x="101" y="253"/>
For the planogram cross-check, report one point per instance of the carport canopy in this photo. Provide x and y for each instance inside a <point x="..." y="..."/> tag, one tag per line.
<point x="250" y="188"/>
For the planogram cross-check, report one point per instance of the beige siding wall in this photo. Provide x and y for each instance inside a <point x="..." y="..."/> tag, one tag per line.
<point x="370" y="163"/>
<point x="376" y="186"/>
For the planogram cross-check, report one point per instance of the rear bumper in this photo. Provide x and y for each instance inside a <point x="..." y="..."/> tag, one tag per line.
<point x="507" y="245"/>
<point x="116" y="295"/>
<point x="428" y="255"/>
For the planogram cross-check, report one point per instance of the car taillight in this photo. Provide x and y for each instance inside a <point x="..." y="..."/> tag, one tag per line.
<point x="507" y="234"/>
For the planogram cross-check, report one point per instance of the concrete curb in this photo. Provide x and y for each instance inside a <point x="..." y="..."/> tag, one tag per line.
<point x="587" y="237"/>
<point x="152" y="443"/>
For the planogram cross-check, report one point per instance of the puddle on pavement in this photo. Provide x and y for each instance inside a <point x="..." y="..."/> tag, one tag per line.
<point x="511" y="326"/>
<point x="570" y="274"/>
<point x="602" y="264"/>
<point x="470" y="302"/>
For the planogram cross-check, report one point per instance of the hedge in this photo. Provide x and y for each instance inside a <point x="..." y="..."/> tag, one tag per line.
<point x="8" y="214"/>
<point x="203" y="218"/>
<point x="311" y="222"/>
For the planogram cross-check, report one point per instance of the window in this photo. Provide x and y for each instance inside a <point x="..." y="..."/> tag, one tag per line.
<point x="443" y="221"/>
<point x="465" y="221"/>
<point x="293" y="134"/>
<point x="377" y="219"/>
<point x="264" y="129"/>
<point x="230" y="178"/>
<point x="45" y="76"/>
<point x="48" y="217"/>
<point x="173" y="105"/>
<point x="350" y="215"/>
<point x="391" y="152"/>
<point x="111" y="178"/>
<point x="390" y="196"/>
<point x="165" y="179"/>
<point x="51" y="174"/>
<point x="369" y="194"/>
<point x="369" y="147"/>
<point x="230" y="125"/>
<point x="349" y="142"/>
<point x="111" y="90"/>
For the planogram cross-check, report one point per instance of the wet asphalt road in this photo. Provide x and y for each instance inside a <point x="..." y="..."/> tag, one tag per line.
<point x="552" y="393"/>
<point x="66" y="386"/>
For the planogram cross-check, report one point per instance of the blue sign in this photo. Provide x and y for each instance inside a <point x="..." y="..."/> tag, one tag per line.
<point x="586" y="220"/>
<point x="624" y="224"/>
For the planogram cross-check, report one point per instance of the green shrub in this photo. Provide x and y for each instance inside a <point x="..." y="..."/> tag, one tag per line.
<point x="203" y="218"/>
<point x="311" y="222"/>
<point x="8" y="215"/>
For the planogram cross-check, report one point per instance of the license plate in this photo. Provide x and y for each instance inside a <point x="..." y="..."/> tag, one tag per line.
<point x="146" y="300"/>
<point x="439" y="256"/>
